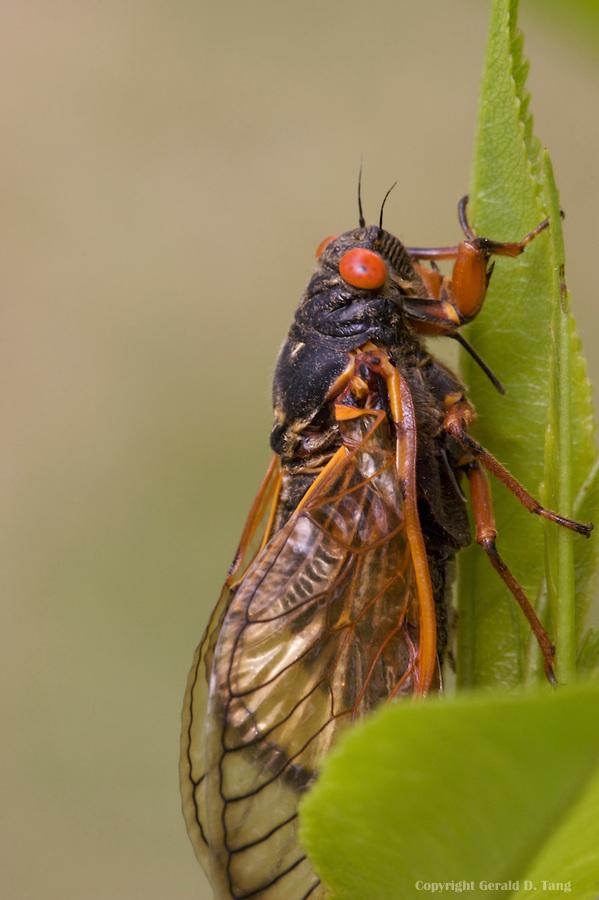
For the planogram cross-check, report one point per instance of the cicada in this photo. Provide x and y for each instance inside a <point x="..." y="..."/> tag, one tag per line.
<point x="338" y="597"/>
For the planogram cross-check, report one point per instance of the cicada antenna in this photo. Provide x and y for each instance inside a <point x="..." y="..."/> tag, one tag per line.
<point x="361" y="219"/>
<point x="383" y="204"/>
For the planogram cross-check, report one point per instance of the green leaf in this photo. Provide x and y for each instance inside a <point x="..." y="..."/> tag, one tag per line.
<point x="453" y="790"/>
<point x="570" y="854"/>
<point x="588" y="656"/>
<point x="527" y="335"/>
<point x="570" y="452"/>
<point x="586" y="557"/>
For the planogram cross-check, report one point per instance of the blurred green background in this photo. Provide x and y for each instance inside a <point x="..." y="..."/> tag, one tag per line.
<point x="167" y="171"/>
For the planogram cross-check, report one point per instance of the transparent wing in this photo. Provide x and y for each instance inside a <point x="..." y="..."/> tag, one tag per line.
<point x="192" y="760"/>
<point x="323" y="626"/>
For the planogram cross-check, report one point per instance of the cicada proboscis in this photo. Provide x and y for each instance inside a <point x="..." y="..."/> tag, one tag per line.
<point x="337" y="598"/>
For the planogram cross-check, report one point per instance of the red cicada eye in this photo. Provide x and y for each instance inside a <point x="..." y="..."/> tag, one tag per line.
<point x="324" y="244"/>
<point x="363" y="268"/>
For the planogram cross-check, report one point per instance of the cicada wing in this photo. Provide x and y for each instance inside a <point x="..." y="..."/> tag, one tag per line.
<point x="192" y="761"/>
<point x="322" y="628"/>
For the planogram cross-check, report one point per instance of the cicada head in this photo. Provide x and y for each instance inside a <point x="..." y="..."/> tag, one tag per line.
<point x="364" y="263"/>
<point x="359" y="287"/>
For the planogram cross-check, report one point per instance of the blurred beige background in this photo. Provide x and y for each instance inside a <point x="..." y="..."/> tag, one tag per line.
<point x="167" y="171"/>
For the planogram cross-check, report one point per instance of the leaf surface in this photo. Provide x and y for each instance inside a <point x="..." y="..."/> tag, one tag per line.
<point x="543" y="429"/>
<point x="452" y="790"/>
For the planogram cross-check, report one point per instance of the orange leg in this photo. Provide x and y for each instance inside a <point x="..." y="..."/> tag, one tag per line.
<point x="459" y="298"/>
<point x="441" y="317"/>
<point x="455" y="423"/>
<point x="432" y="278"/>
<point x="482" y="510"/>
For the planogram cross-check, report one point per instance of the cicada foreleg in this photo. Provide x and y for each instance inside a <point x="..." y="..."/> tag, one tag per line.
<point x="457" y="299"/>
